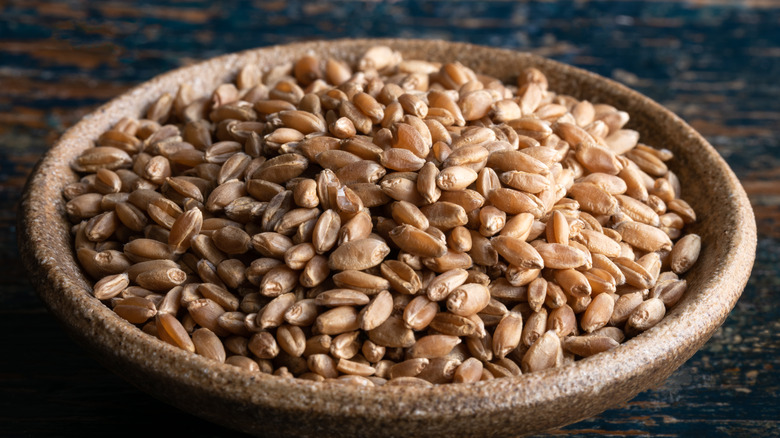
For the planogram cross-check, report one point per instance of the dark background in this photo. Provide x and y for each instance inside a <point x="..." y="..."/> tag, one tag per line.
<point x="715" y="63"/>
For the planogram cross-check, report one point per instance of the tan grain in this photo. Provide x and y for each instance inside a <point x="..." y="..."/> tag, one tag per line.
<point x="468" y="299"/>
<point x="433" y="346"/>
<point x="466" y="221"/>
<point x="161" y="279"/>
<point x="598" y="313"/>
<point x="545" y="353"/>
<point x="263" y="345"/>
<point x="417" y="242"/>
<point x="208" y="344"/>
<point x="170" y="330"/>
<point x="420" y="312"/>
<point x="507" y="334"/>
<point x="401" y="276"/>
<point x="358" y="254"/>
<point x="586" y="346"/>
<point x="685" y="253"/>
<point x="646" y="315"/>
<point x="135" y="310"/>
<point x="392" y="333"/>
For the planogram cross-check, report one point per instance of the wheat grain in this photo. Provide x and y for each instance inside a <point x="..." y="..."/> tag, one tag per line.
<point x="340" y="218"/>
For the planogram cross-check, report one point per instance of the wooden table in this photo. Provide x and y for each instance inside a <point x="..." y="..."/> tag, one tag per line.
<point x="714" y="64"/>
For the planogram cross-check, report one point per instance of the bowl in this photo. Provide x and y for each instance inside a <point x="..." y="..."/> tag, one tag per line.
<point x="272" y="406"/>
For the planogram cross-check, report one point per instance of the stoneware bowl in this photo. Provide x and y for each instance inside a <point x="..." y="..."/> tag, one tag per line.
<point x="272" y="406"/>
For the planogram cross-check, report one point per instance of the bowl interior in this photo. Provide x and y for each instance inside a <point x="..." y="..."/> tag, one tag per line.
<point x="266" y="404"/>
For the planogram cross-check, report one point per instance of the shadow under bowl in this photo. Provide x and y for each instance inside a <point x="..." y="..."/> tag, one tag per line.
<point x="271" y="406"/>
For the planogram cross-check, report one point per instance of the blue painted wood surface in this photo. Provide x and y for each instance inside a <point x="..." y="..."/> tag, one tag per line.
<point x="715" y="63"/>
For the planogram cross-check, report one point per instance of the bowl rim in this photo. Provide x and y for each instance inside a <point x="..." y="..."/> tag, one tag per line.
<point x="64" y="297"/>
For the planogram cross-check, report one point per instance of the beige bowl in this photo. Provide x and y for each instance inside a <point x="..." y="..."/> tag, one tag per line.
<point x="271" y="406"/>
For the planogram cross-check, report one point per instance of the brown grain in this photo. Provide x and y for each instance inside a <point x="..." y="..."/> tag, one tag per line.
<point x="473" y="228"/>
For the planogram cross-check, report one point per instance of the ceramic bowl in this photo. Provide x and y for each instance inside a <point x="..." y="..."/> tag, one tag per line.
<point x="272" y="406"/>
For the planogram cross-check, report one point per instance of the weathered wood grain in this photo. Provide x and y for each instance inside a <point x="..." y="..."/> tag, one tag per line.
<point x="713" y="62"/>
